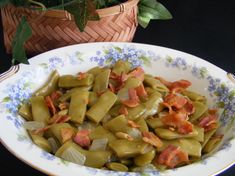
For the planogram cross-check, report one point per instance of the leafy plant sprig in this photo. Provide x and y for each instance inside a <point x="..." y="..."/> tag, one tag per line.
<point x="83" y="11"/>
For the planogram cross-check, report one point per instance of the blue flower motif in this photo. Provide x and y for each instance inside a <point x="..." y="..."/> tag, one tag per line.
<point x="111" y="54"/>
<point x="55" y="62"/>
<point x="199" y="73"/>
<point x="225" y="98"/>
<point x="16" y="121"/>
<point x="17" y="93"/>
<point x="226" y="146"/>
<point x="75" y="58"/>
<point x="47" y="156"/>
<point x="178" y="62"/>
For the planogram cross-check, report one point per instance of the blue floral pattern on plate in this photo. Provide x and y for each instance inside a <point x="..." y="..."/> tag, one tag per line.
<point x="21" y="90"/>
<point x="137" y="57"/>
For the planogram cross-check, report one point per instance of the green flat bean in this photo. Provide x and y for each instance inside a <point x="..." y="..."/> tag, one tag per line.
<point x="114" y="111"/>
<point x="25" y="112"/>
<point x="93" y="97"/>
<point x="143" y="125"/>
<point x="169" y="135"/>
<point x="194" y="96"/>
<point x="50" y="85"/>
<point x="121" y="67"/>
<point x="56" y="130"/>
<point x="124" y="148"/>
<point x="69" y="81"/>
<point x="155" y="84"/>
<point x="211" y="144"/>
<point x="200" y="136"/>
<point x="200" y="109"/>
<point x="68" y="94"/>
<point x="40" y="110"/>
<point x="102" y="81"/>
<point x="78" y="106"/>
<point x="100" y="132"/>
<point x="117" y="167"/>
<point x="41" y="142"/>
<point x="95" y="71"/>
<point x="93" y="158"/>
<point x="118" y="124"/>
<point x="190" y="146"/>
<point x="155" y="122"/>
<point x="152" y="104"/>
<point x="207" y="136"/>
<point x="101" y="107"/>
<point x="136" y="112"/>
<point x="145" y="159"/>
<point x="132" y="83"/>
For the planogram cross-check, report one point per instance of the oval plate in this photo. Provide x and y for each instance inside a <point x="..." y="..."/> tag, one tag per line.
<point x="18" y="84"/>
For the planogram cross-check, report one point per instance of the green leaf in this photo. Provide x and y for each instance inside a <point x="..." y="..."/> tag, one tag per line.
<point x="143" y="21"/>
<point x="151" y="9"/>
<point x="4" y="2"/>
<point x="20" y="2"/>
<point x="23" y="33"/>
<point x="80" y="13"/>
<point x="82" y="10"/>
<point x="6" y="99"/>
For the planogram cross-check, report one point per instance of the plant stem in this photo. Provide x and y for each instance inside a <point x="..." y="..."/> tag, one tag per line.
<point x="38" y="4"/>
<point x="13" y="62"/>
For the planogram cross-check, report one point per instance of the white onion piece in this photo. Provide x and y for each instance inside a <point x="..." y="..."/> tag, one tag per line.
<point x="135" y="133"/>
<point x="72" y="155"/>
<point x="123" y="94"/>
<point x="99" y="144"/>
<point x="53" y="144"/>
<point x="106" y="118"/>
<point x="87" y="126"/>
<point x="33" y="125"/>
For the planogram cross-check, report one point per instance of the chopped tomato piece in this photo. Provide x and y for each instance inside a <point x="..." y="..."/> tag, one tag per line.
<point x="111" y="87"/>
<point x="185" y="127"/>
<point x="179" y="121"/>
<point x="56" y="95"/>
<point x="130" y="103"/>
<point x="137" y="73"/>
<point x="133" y="124"/>
<point x="181" y="83"/>
<point x="119" y="79"/>
<point x="163" y="81"/>
<point x="81" y="75"/>
<point x="59" y="119"/>
<point x="188" y="108"/>
<point x="152" y="139"/>
<point x="176" y="86"/>
<point x="174" y="100"/>
<point x="171" y="156"/>
<point x="123" y="110"/>
<point x="82" y="138"/>
<point x="66" y="134"/>
<point x="133" y="100"/>
<point x="50" y="105"/>
<point x="140" y="90"/>
<point x="209" y="122"/>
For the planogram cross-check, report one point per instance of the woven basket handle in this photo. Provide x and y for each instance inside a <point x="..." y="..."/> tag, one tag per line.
<point x="231" y="77"/>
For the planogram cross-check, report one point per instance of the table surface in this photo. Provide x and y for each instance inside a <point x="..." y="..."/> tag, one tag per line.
<point x="202" y="28"/>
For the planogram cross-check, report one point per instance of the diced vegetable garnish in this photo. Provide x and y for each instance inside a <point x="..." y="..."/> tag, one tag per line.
<point x="122" y="119"/>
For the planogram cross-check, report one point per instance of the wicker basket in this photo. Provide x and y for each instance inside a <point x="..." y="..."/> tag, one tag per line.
<point x="56" y="28"/>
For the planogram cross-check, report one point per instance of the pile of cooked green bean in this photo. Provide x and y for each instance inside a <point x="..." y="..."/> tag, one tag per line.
<point x="122" y="119"/>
